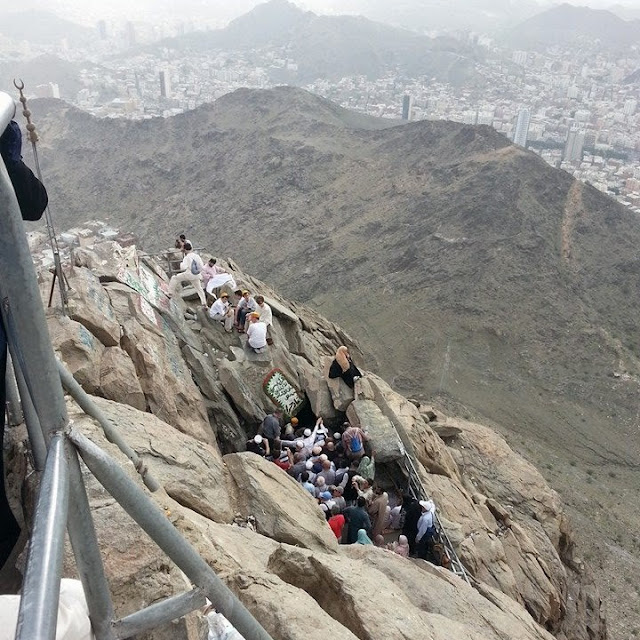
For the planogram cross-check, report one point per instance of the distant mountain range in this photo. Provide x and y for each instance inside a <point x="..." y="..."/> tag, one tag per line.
<point x="491" y="280"/>
<point x="42" y="70"/>
<point x="42" y="28"/>
<point x="570" y="25"/>
<point x="332" y="47"/>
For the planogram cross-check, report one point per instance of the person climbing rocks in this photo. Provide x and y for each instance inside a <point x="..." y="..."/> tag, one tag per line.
<point x="191" y="268"/>
<point x="222" y="312"/>
<point x="353" y="440"/>
<point x="357" y="518"/>
<point x="412" y="513"/>
<point x="343" y="367"/>
<point x="270" y="427"/>
<point x="32" y="200"/>
<point x="426" y="529"/>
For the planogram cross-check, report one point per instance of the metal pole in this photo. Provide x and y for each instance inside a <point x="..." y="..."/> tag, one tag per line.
<point x="159" y="613"/>
<point x="89" y="407"/>
<point x="86" y="551"/>
<point x="20" y="298"/>
<point x="36" y="438"/>
<point x="14" y="411"/>
<point x="151" y="518"/>
<point x="38" y="613"/>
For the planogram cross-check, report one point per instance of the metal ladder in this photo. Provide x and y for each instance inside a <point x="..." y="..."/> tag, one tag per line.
<point x="417" y="490"/>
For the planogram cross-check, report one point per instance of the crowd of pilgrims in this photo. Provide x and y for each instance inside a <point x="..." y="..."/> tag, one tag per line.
<point x="338" y="470"/>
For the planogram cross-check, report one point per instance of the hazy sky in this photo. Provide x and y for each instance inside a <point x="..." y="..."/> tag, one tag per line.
<point x="88" y="11"/>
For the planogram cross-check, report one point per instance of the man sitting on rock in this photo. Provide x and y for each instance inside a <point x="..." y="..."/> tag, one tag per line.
<point x="191" y="267"/>
<point x="257" y="334"/>
<point x="245" y="306"/>
<point x="221" y="310"/>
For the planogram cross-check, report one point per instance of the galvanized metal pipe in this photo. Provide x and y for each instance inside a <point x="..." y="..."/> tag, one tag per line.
<point x="20" y="298"/>
<point x="159" y="613"/>
<point x="36" y="437"/>
<point x="86" y="551"/>
<point x="14" y="410"/>
<point x="155" y="523"/>
<point x="38" y="612"/>
<point x="91" y="409"/>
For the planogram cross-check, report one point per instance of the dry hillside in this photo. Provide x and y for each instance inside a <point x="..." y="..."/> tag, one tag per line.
<point x="477" y="275"/>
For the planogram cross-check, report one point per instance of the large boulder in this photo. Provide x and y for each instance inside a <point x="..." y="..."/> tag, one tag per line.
<point x="79" y="349"/>
<point x="190" y="471"/>
<point x="283" y="510"/>
<point x="89" y="304"/>
<point x="118" y="379"/>
<point x="385" y="440"/>
<point x="317" y="390"/>
<point x="164" y="377"/>
<point x="416" y="434"/>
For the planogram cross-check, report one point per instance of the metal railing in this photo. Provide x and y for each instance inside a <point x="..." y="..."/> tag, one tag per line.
<point x="417" y="489"/>
<point x="62" y="498"/>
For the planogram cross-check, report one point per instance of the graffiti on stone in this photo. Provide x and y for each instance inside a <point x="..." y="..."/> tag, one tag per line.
<point x="282" y="392"/>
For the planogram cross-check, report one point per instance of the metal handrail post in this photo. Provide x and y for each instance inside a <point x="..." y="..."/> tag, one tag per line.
<point x="159" y="613"/>
<point x="36" y="437"/>
<point x="38" y="612"/>
<point x="151" y="518"/>
<point x="86" y="551"/>
<point x="91" y="409"/>
<point x="14" y="410"/>
<point x="20" y="299"/>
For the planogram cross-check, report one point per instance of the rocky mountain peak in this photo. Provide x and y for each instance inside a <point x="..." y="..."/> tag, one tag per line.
<point x="187" y="396"/>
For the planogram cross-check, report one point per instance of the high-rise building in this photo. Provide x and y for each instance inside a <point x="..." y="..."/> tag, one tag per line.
<point x="130" y="35"/>
<point x="522" y="128"/>
<point x="102" y="29"/>
<point x="165" y="84"/>
<point x="574" y="145"/>
<point x="630" y="107"/>
<point x="407" y="101"/>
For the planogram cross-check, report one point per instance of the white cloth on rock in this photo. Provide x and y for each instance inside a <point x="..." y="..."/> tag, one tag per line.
<point x="73" y="614"/>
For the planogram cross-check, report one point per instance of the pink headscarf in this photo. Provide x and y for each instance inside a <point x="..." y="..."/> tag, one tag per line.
<point x="402" y="548"/>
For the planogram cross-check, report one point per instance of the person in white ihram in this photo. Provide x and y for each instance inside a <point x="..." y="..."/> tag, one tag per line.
<point x="191" y="268"/>
<point x="257" y="333"/>
<point x="221" y="310"/>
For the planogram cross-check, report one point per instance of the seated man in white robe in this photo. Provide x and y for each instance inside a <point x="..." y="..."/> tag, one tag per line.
<point x="222" y="311"/>
<point x="257" y="333"/>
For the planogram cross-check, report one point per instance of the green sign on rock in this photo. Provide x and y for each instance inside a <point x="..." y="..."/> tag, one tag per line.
<point x="282" y="392"/>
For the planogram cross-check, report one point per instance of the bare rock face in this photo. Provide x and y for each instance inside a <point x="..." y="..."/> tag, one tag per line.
<point x="89" y="305"/>
<point x="183" y="392"/>
<point x="118" y="379"/>
<point x="512" y="534"/>
<point x="79" y="349"/>
<point x="191" y="472"/>
<point x="283" y="510"/>
<point x="384" y="436"/>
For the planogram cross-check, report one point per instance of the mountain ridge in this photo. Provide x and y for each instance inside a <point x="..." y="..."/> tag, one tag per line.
<point x="567" y="24"/>
<point x="470" y="271"/>
<point x="334" y="46"/>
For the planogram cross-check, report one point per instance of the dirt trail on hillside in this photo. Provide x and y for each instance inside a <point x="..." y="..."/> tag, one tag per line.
<point x="573" y="209"/>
